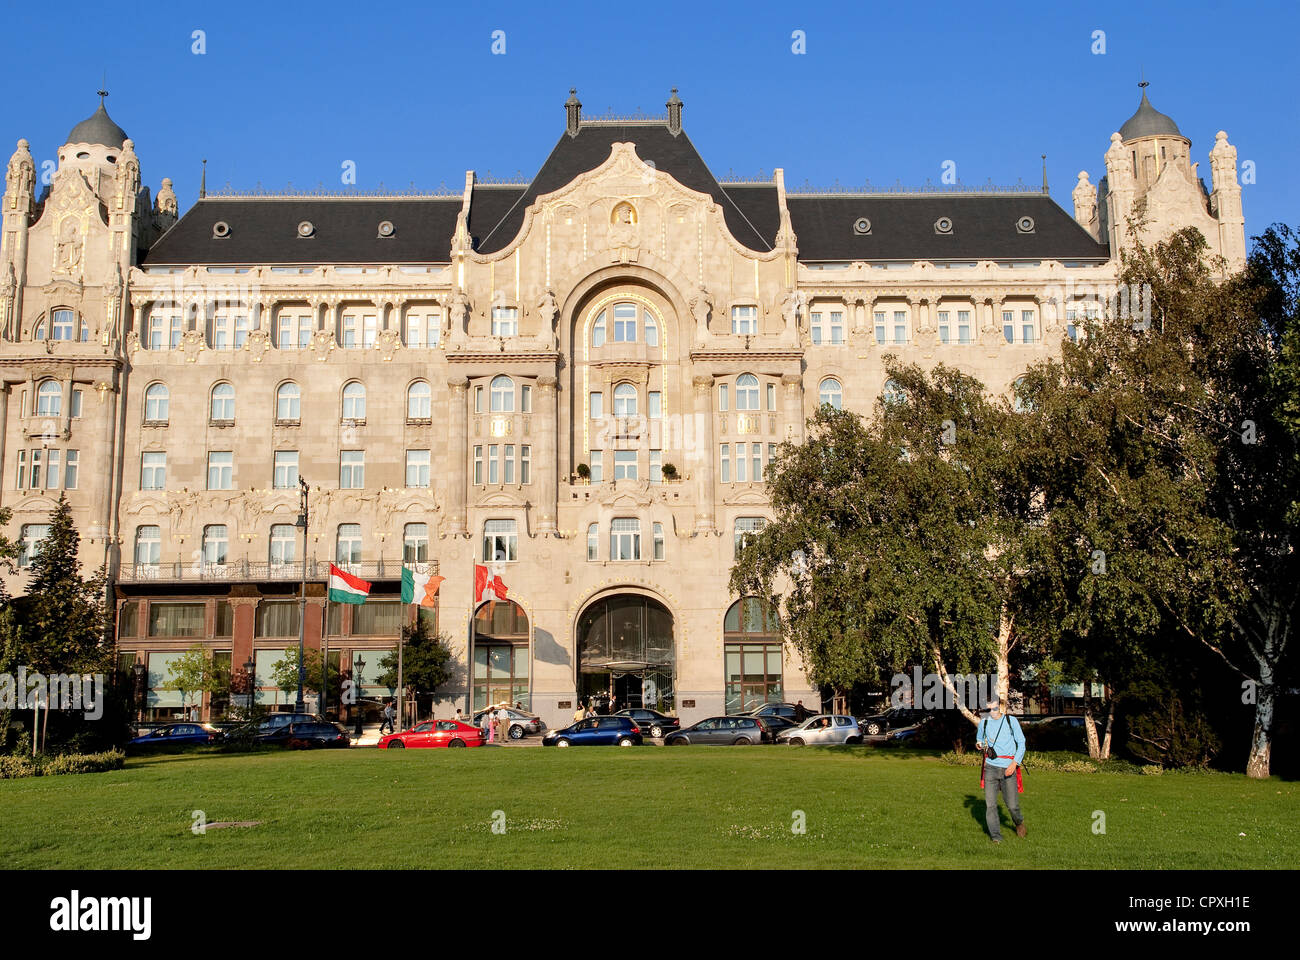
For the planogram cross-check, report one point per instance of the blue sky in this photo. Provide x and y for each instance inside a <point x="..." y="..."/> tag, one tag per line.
<point x="412" y="93"/>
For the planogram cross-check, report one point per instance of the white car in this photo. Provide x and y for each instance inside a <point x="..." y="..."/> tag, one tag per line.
<point x="823" y="728"/>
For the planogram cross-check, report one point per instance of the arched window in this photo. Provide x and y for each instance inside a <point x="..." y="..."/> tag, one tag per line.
<point x="651" y="330"/>
<point x="148" y="546"/>
<point x="49" y="399"/>
<point x="625" y="323"/>
<point x="283" y="547"/>
<point x="503" y="395"/>
<point x="831" y="393"/>
<point x="598" y="331"/>
<point x="62" y="324"/>
<point x="1020" y="403"/>
<point x="625" y="400"/>
<point x="156" y="401"/>
<point x="354" y="401"/>
<point x="223" y="402"/>
<point x="347" y="549"/>
<point x="415" y="543"/>
<point x="288" y="402"/>
<point x="419" y="401"/>
<point x="747" y="392"/>
<point x="216" y="543"/>
<point x="751" y="634"/>
<point x="593" y="541"/>
<point x="893" y="393"/>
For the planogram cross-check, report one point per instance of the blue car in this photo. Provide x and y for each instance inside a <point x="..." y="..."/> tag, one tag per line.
<point x="596" y="732"/>
<point x="178" y="735"/>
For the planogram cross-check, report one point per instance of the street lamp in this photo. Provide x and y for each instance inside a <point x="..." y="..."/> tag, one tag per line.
<point x="139" y="672"/>
<point x="249" y="668"/>
<point x="360" y="665"/>
<point x="302" y="603"/>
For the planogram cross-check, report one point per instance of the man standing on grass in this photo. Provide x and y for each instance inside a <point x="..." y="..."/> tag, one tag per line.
<point x="1003" y="743"/>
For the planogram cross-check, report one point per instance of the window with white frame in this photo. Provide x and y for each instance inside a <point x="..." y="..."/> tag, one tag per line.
<point x="596" y="403"/>
<point x="423" y="329"/>
<point x="52" y="458"/>
<point x="826" y="327"/>
<point x="625" y="538"/>
<point x="157" y="335"/>
<point x="625" y="400"/>
<point x="525" y="398"/>
<point x="500" y="540"/>
<point x="478" y="463"/>
<point x="285" y="472"/>
<point x="625" y="465"/>
<point x="503" y="395"/>
<point x="241" y="332"/>
<point x="418" y="465"/>
<point x="831" y="392"/>
<point x="216" y="545"/>
<point x="744" y="319"/>
<point x="157" y="399"/>
<point x="963" y="326"/>
<point x="745" y="528"/>
<point x="625" y="322"/>
<point x="771" y="396"/>
<point x="369" y="330"/>
<point x="153" y="470"/>
<point x="221" y="470"/>
<point x="219" y="329"/>
<point x="288" y="402"/>
<point x="76" y="403"/>
<point x="419" y="401"/>
<point x="71" y="465"/>
<point x="651" y="330"/>
<point x="63" y="326"/>
<point x="593" y="541"/>
<point x="148" y="545"/>
<point x="596" y="465"/>
<point x="881" y="326"/>
<point x="1025" y="331"/>
<point x="507" y="463"/>
<point x="525" y="464"/>
<point x="656" y="466"/>
<point x="415" y="543"/>
<point x="49" y="399"/>
<point x="893" y="394"/>
<point x="283" y="545"/>
<point x="222" y="407"/>
<point x="21" y="479"/>
<point x="349" y="331"/>
<point x="354" y="401"/>
<point x="901" y="318"/>
<point x="747" y="392"/>
<point x="494" y="463"/>
<point x="944" y="326"/>
<point x="724" y="463"/>
<point x="722" y="397"/>
<point x="38" y="467"/>
<point x="31" y="536"/>
<point x="598" y="330"/>
<point x="658" y="541"/>
<point x="654" y="405"/>
<point x="505" y="321"/>
<point x="294" y="331"/>
<point x="352" y="469"/>
<point x="347" y="546"/>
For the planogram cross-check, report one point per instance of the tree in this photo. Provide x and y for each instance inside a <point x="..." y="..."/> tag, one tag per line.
<point x="426" y="661"/>
<point x="194" y="672"/>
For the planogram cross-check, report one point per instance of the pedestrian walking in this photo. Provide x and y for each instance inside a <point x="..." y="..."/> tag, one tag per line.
<point x="503" y="723"/>
<point x="1003" y="742"/>
<point x="389" y="715"/>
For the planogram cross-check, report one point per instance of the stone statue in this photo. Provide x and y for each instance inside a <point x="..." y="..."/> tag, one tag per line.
<point x="792" y="308"/>
<point x="548" y="309"/>
<point x="21" y="175"/>
<point x="458" y="315"/>
<point x="166" y="204"/>
<point x="701" y="308"/>
<point x="68" y="250"/>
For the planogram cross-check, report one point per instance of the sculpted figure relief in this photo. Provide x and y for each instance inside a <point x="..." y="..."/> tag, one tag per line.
<point x="548" y="309"/>
<point x="701" y="309"/>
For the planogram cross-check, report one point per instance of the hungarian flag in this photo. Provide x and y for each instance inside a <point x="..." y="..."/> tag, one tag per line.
<point x="483" y="581"/>
<point x="345" y="588"/>
<point x="419" y="588"/>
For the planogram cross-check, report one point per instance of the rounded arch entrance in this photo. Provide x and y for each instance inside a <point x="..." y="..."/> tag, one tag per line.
<point x="501" y="652"/>
<point x="626" y="651"/>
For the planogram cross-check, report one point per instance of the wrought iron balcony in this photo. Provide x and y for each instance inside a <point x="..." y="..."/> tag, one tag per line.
<point x="236" y="571"/>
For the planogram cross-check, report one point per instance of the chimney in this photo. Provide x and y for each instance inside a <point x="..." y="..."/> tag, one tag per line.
<point x="573" y="112"/>
<point x="674" y="114"/>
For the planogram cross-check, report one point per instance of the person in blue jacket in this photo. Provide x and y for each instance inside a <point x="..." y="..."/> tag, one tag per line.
<point x="1000" y="738"/>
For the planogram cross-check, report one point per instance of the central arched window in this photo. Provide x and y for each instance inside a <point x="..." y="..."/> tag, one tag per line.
<point x="503" y="395"/>
<point x="893" y="393"/>
<point x="223" y="402"/>
<point x="354" y="401"/>
<point x="747" y="392"/>
<point x="156" y="402"/>
<point x="625" y="400"/>
<point x="288" y="402"/>
<point x="49" y="399"/>
<point x="419" y="401"/>
<point x="625" y="323"/>
<point x="751" y="634"/>
<point x="831" y="393"/>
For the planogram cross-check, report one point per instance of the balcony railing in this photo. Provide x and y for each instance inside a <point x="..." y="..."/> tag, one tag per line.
<point x="246" y="570"/>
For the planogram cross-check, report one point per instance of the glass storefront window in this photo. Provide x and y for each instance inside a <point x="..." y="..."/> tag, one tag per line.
<point x="754" y="655"/>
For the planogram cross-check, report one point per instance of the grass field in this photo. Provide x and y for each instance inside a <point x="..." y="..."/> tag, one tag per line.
<point x="687" y="807"/>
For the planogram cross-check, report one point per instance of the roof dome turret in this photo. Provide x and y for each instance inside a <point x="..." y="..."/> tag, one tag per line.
<point x="1148" y="122"/>
<point x="98" y="128"/>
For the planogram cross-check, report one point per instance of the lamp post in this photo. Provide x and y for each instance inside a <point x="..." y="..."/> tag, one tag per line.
<point x="359" y="665"/>
<point x="302" y="603"/>
<point x="139" y="673"/>
<point x="250" y="667"/>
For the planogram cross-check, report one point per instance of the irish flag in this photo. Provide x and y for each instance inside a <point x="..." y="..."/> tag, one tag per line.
<point x="345" y="588"/>
<point x="419" y="588"/>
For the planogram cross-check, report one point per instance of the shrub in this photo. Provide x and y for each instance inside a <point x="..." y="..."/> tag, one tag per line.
<point x="14" y="767"/>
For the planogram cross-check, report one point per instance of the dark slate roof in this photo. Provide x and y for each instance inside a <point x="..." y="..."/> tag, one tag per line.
<point x="574" y="156"/>
<point x="902" y="228"/>
<point x="98" y="128"/>
<point x="1148" y="122"/>
<point x="265" y="230"/>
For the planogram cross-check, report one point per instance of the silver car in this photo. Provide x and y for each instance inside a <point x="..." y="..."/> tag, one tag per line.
<point x="823" y="728"/>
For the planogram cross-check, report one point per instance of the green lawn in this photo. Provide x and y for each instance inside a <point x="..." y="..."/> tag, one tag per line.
<point x="629" y="808"/>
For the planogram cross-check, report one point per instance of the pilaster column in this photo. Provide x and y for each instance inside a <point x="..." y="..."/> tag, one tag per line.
<point x="792" y="405"/>
<point x="545" y="465"/>
<point x="4" y="431"/>
<point x="704" y="496"/>
<point x="457" y="451"/>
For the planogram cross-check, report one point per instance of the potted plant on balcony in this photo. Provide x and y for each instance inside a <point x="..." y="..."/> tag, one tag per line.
<point x="670" y="472"/>
<point x="584" y="472"/>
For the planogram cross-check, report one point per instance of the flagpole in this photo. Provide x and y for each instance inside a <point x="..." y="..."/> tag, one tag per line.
<point x="401" y="718"/>
<point x="325" y="655"/>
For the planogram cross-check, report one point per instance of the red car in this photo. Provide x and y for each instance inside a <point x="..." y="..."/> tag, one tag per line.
<point x="434" y="733"/>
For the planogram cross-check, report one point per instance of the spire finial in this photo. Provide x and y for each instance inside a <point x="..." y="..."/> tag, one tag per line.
<point x="1044" y="156"/>
<point x="1142" y="80"/>
<point x="203" y="181"/>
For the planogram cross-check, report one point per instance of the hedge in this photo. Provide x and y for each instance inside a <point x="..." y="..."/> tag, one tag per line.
<point x="14" y="767"/>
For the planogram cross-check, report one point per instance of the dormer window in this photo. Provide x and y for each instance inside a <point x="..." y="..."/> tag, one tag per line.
<point x="744" y="319"/>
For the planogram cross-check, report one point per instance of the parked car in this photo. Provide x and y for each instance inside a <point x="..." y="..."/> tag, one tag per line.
<point x="907" y="733"/>
<point x="658" y="724"/>
<point x="891" y="719"/>
<point x="435" y="733"/>
<point x="521" y="724"/>
<point x="731" y="731"/>
<point x="255" y="729"/>
<point x="777" y="724"/>
<point x="306" y="735"/>
<point x="823" y="728"/>
<point x="178" y="735"/>
<point x="595" y="732"/>
<point x="788" y="710"/>
<point x="1061" y="721"/>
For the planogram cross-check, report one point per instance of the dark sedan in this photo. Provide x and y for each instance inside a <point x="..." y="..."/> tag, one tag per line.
<point x="891" y="719"/>
<point x="178" y="735"/>
<point x="777" y="723"/>
<point x="658" y="724"/>
<point x="729" y="731"/>
<point x="303" y="736"/>
<point x="595" y="732"/>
